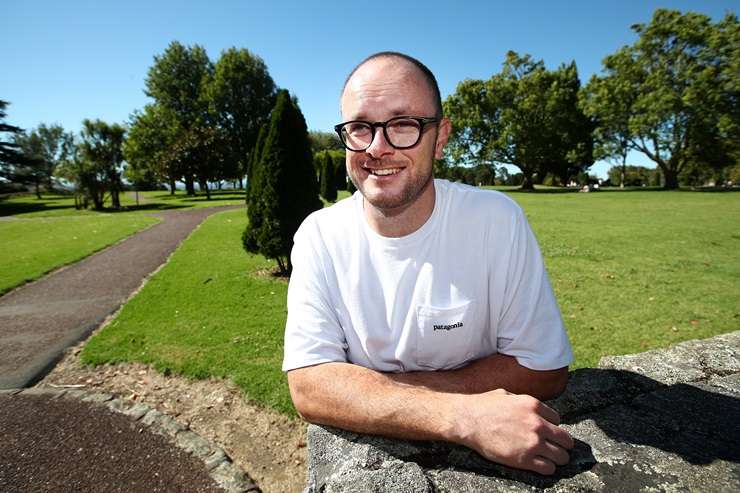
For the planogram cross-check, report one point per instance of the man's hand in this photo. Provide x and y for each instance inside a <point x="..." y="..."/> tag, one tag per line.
<point x="514" y="430"/>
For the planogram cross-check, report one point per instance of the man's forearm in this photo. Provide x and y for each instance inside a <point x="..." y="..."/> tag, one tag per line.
<point x="366" y="401"/>
<point x="517" y="430"/>
<point x="493" y="372"/>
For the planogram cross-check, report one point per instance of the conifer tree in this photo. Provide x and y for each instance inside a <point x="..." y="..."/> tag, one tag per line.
<point x="340" y="170"/>
<point x="283" y="187"/>
<point x="254" y="160"/>
<point x="328" y="178"/>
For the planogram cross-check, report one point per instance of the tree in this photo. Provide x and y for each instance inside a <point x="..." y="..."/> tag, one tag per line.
<point x="148" y="148"/>
<point x="44" y="149"/>
<point x="96" y="169"/>
<point x="255" y="156"/>
<point x="609" y="100"/>
<point x="11" y="156"/>
<point x="178" y="83"/>
<point x="284" y="190"/>
<point x="525" y="116"/>
<point x="328" y="185"/>
<point x="676" y="89"/>
<point x="241" y="95"/>
<point x="340" y="169"/>
<point x="324" y="141"/>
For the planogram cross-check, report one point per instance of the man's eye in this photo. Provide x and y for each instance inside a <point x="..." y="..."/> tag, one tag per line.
<point x="404" y="125"/>
<point x="357" y="129"/>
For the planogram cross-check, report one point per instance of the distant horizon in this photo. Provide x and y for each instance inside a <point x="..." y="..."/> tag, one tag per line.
<point x="82" y="59"/>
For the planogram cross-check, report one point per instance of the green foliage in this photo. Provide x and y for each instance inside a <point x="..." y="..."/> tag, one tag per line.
<point x="44" y="149"/>
<point x="284" y="188"/>
<point x="11" y="156"/>
<point x="255" y="156"/>
<point x="324" y="141"/>
<point x="673" y="94"/>
<point x="340" y="168"/>
<point x="97" y="167"/>
<point x="241" y="95"/>
<point x="178" y="83"/>
<point x="526" y="116"/>
<point x="147" y="149"/>
<point x="634" y="176"/>
<point x="328" y="185"/>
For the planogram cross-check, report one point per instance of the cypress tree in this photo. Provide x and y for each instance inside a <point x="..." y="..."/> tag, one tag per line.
<point x="284" y="189"/>
<point x="254" y="159"/>
<point x="328" y="178"/>
<point x="340" y="170"/>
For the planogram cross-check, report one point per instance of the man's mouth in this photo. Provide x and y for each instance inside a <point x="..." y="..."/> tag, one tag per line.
<point x="383" y="171"/>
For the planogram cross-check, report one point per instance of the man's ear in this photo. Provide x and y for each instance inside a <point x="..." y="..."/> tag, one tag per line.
<point x="445" y="127"/>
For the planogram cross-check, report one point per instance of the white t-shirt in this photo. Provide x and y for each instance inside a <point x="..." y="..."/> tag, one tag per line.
<point x="467" y="284"/>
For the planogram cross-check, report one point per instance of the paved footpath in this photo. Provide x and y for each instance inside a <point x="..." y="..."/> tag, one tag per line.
<point x="40" y="320"/>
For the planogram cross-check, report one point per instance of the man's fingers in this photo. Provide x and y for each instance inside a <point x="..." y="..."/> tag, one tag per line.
<point x="548" y="413"/>
<point x="542" y="465"/>
<point x="559" y="437"/>
<point x="555" y="453"/>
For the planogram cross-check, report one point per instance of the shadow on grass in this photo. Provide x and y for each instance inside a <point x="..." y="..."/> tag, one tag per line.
<point x="14" y="208"/>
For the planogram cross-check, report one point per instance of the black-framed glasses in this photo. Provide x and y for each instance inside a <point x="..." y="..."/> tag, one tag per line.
<point x="401" y="132"/>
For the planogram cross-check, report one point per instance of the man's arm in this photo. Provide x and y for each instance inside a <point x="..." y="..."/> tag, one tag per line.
<point x="516" y="430"/>
<point x="497" y="371"/>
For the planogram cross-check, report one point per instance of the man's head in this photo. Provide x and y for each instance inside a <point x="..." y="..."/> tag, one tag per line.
<point x="382" y="87"/>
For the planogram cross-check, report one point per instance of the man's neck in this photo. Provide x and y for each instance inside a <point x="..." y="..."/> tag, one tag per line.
<point x="401" y="221"/>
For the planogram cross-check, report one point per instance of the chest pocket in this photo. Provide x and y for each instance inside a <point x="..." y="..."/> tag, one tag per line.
<point x="445" y="336"/>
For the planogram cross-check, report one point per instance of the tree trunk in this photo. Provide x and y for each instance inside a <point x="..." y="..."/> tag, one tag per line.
<point x="624" y="171"/>
<point x="671" y="179"/>
<point x="172" y="185"/>
<point x="189" y="185"/>
<point x="38" y="190"/>
<point x="115" y="199"/>
<point x="241" y="183"/>
<point x="204" y="187"/>
<point x="528" y="182"/>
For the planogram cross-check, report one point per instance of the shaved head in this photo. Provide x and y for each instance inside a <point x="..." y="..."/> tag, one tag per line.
<point x="417" y="68"/>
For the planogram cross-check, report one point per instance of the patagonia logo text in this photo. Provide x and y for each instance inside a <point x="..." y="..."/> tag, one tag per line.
<point x="448" y="327"/>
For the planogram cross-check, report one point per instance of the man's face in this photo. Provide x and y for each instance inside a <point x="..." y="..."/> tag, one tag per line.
<point x="390" y="178"/>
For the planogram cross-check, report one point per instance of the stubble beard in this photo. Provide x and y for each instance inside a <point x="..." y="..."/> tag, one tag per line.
<point x="390" y="204"/>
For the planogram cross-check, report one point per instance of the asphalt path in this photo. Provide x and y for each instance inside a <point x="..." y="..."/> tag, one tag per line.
<point x="38" y="321"/>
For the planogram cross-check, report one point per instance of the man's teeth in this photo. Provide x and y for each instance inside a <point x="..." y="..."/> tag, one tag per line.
<point x="384" y="172"/>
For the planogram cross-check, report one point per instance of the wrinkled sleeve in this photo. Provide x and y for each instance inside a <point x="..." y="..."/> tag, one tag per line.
<point x="313" y="334"/>
<point x="530" y="327"/>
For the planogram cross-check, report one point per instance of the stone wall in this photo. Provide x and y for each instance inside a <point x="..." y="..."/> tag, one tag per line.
<point x="664" y="420"/>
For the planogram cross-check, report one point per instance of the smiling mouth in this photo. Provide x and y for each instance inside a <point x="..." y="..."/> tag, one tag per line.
<point x="383" y="172"/>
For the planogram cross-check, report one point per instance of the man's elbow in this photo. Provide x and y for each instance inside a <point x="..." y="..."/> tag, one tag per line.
<point x="555" y="384"/>
<point x="302" y="394"/>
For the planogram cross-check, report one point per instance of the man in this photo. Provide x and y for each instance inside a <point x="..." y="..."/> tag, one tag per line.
<point x="417" y="308"/>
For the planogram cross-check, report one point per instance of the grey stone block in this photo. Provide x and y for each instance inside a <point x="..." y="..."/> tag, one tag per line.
<point x="137" y="411"/>
<point x="233" y="480"/>
<point x="97" y="398"/>
<point x="194" y="444"/>
<point x="664" y="420"/>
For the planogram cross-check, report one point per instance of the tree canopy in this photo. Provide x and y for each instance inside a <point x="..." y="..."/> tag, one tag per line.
<point x="284" y="189"/>
<point x="526" y="116"/>
<point x="673" y="95"/>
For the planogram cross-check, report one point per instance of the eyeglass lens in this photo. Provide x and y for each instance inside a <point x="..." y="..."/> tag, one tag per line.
<point x="400" y="132"/>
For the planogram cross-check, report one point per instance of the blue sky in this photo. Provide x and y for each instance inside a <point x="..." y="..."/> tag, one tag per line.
<point x="66" y="61"/>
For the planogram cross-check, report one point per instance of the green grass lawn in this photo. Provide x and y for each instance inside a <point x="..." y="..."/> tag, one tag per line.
<point x="202" y="318"/>
<point x="30" y="248"/>
<point x="27" y="205"/>
<point x="632" y="271"/>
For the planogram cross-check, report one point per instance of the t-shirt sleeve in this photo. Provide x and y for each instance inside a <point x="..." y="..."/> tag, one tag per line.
<point x="530" y="327"/>
<point x="313" y="334"/>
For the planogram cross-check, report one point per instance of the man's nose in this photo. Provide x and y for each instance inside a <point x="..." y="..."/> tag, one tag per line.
<point x="379" y="146"/>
